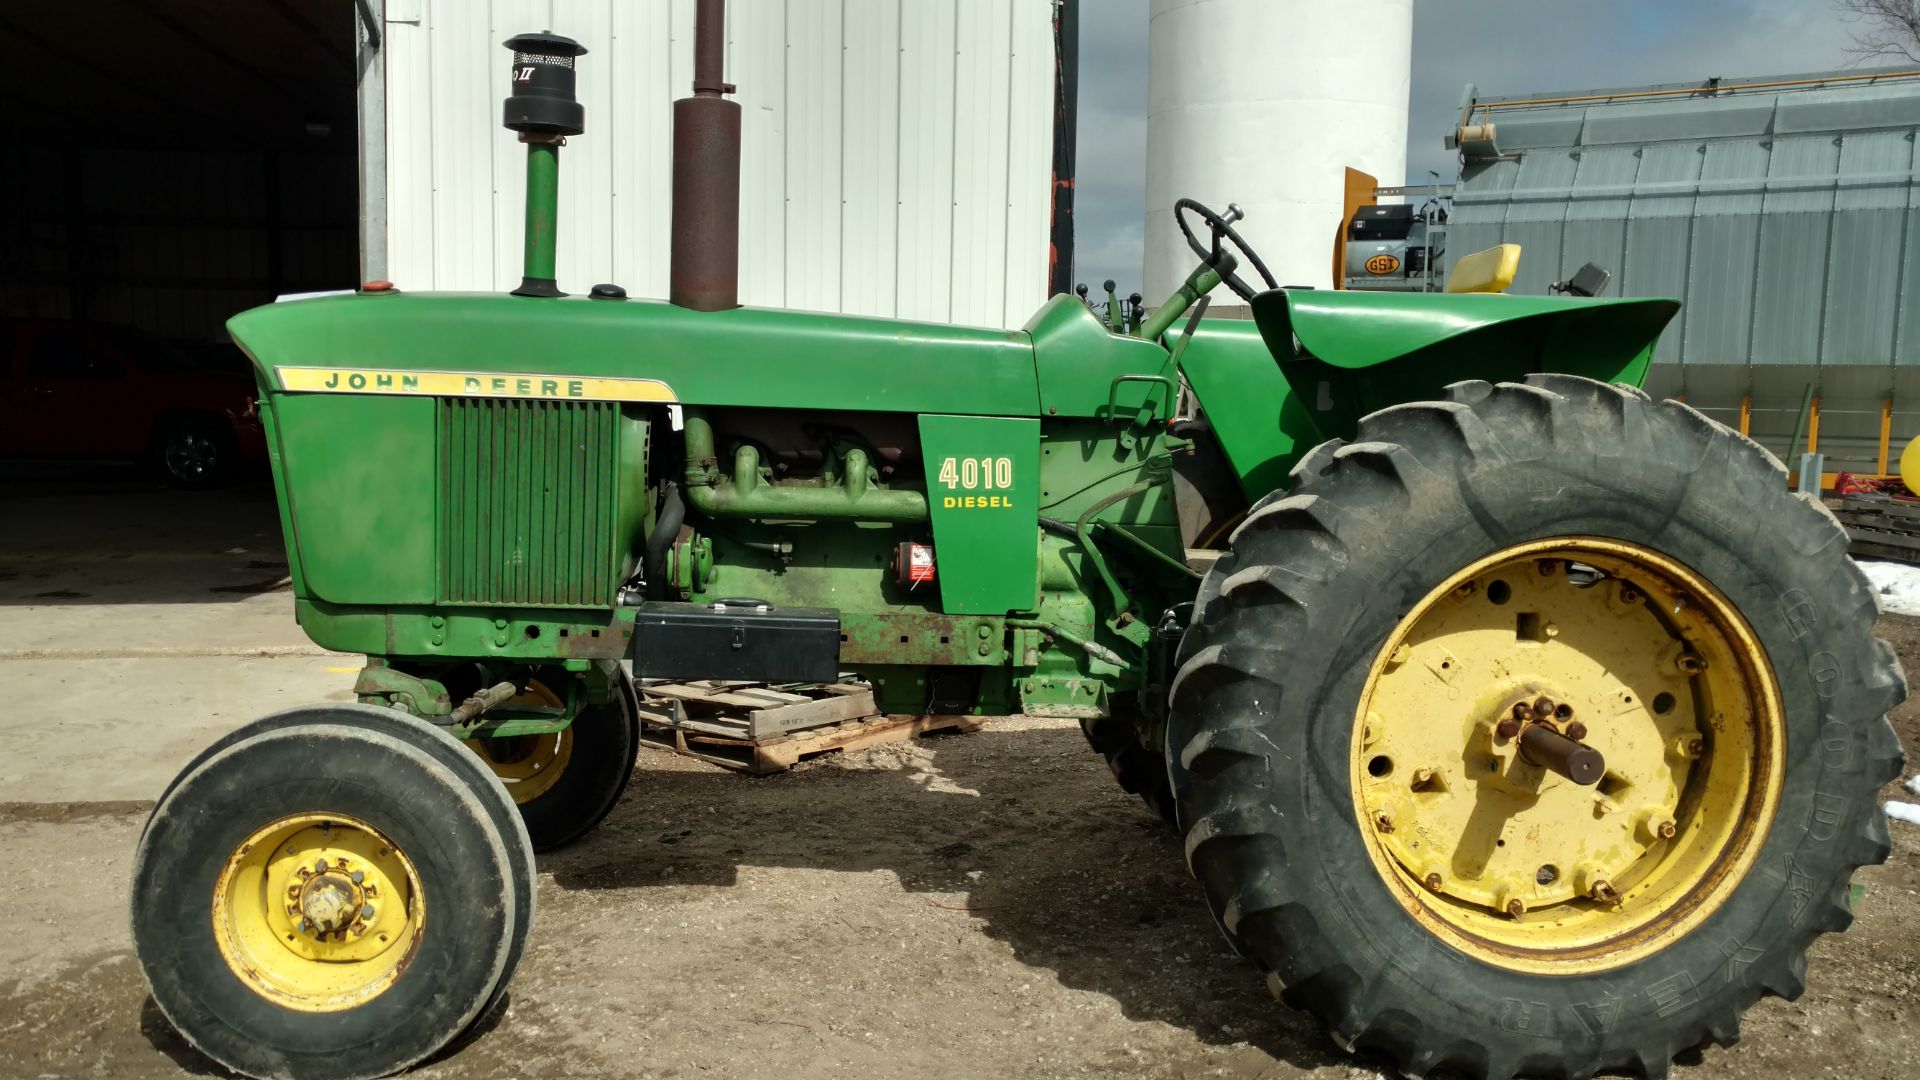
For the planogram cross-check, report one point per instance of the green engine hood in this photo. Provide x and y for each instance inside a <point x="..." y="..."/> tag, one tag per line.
<point x="1351" y="353"/>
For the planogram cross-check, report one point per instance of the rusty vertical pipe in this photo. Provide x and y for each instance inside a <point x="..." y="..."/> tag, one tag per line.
<point x="705" y="275"/>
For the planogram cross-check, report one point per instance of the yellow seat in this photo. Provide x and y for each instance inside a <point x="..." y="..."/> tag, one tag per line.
<point x="1489" y="271"/>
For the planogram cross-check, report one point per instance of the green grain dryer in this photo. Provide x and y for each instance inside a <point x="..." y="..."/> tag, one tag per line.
<point x="1515" y="723"/>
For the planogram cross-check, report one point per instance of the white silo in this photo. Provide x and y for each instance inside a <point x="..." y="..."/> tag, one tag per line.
<point x="1265" y="103"/>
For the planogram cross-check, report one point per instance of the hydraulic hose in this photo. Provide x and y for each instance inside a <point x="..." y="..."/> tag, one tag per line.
<point x="673" y="512"/>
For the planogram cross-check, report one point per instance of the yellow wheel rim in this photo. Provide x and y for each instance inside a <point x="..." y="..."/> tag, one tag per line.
<point x="1633" y="655"/>
<point x="318" y="912"/>
<point x="529" y="764"/>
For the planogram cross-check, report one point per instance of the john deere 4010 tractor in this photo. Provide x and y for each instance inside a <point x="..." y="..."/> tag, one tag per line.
<point x="1515" y="722"/>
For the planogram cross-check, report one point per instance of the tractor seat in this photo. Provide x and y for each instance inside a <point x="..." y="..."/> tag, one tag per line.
<point x="1489" y="271"/>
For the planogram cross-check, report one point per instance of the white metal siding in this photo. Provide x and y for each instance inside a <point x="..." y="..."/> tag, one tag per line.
<point x="896" y="153"/>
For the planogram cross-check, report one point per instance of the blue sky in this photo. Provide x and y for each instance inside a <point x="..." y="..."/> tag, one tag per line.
<point x="1504" y="46"/>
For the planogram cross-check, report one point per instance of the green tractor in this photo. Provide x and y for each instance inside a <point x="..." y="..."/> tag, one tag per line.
<point x="1516" y="723"/>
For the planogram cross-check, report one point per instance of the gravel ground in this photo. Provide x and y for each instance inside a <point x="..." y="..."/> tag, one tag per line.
<point x="969" y="906"/>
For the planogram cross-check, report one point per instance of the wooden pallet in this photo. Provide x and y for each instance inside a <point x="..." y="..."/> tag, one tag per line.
<point x="763" y="729"/>
<point x="1881" y="527"/>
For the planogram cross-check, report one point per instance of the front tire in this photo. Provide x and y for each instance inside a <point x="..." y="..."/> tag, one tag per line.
<point x="444" y="749"/>
<point x="568" y="781"/>
<point x="1290" y="740"/>
<point x="322" y="901"/>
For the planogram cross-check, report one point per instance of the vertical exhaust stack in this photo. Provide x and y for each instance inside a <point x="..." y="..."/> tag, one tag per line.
<point x="542" y="109"/>
<point x="706" y="175"/>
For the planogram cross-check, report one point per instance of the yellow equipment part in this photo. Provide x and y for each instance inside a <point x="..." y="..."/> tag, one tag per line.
<point x="318" y="912"/>
<point x="1910" y="465"/>
<point x="529" y="765"/>
<point x="1489" y="271"/>
<point x="1612" y="645"/>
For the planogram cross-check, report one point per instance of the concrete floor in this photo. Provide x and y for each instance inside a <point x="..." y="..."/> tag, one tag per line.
<point x="119" y="597"/>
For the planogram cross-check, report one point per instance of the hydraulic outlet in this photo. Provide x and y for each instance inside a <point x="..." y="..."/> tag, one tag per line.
<point x="543" y="110"/>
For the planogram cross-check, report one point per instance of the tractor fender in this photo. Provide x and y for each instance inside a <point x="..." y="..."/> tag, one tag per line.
<point x="1347" y="354"/>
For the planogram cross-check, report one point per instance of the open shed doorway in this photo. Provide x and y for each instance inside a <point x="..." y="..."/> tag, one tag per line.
<point x="172" y="162"/>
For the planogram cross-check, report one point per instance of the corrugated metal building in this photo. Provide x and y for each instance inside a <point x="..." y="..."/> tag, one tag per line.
<point x="897" y="153"/>
<point x="1781" y="210"/>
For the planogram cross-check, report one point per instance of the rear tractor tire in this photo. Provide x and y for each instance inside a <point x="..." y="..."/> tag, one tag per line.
<point x="1140" y="769"/>
<point x="1537" y="731"/>
<point x="324" y="900"/>
<point x="567" y="782"/>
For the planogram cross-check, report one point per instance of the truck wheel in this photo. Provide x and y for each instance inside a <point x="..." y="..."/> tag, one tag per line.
<point x="196" y="452"/>
<point x="1374" y="818"/>
<point x="1140" y="770"/>
<point x="324" y="901"/>
<point x="447" y="751"/>
<point x="566" y="782"/>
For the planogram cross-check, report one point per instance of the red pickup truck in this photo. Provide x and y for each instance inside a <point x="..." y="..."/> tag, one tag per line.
<point x="75" y="389"/>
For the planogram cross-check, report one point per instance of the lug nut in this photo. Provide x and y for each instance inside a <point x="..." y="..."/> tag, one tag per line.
<point x="1688" y="747"/>
<point x="1422" y="776"/>
<point x="1546" y="566"/>
<point x="1604" y="891"/>
<point x="1543" y="706"/>
<point x="1576" y="731"/>
<point x="366" y="911"/>
<point x="1383" y="821"/>
<point x="1654" y="825"/>
<point x="1690" y="664"/>
<point x="1507" y="729"/>
<point x="1434" y="881"/>
<point x="359" y="876"/>
<point x="1629" y="595"/>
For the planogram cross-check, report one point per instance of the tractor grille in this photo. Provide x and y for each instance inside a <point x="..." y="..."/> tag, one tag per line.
<point x="527" y="498"/>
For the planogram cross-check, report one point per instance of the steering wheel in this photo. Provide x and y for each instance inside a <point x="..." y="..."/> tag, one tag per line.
<point x="1212" y="254"/>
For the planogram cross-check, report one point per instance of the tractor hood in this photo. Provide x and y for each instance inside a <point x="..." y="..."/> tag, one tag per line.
<point x="1351" y="353"/>
<point x="510" y="346"/>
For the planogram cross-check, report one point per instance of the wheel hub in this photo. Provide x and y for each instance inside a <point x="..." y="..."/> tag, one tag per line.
<point x="332" y="901"/>
<point x="318" y="912"/>
<point x="1560" y="743"/>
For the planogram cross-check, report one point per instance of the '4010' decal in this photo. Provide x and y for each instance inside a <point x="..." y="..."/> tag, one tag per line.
<point x="982" y="474"/>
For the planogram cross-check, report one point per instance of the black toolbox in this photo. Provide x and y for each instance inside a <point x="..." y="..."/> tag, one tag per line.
<point x="736" y="639"/>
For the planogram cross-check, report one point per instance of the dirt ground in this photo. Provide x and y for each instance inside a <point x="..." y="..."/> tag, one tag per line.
<point x="978" y="905"/>
<point x="975" y="905"/>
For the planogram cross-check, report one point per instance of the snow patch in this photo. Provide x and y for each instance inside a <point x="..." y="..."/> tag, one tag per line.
<point x="1897" y="583"/>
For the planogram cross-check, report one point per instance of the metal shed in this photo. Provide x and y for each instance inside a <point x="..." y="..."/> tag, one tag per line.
<point x="897" y="153"/>
<point x="1781" y="210"/>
